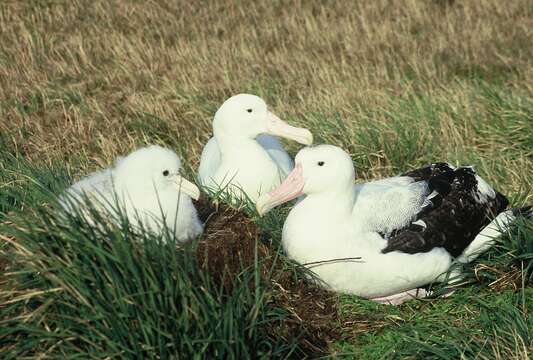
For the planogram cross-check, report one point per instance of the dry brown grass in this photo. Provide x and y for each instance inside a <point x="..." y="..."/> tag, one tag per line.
<point x="77" y="78"/>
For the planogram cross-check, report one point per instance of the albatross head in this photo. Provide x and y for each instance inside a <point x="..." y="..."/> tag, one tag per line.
<point x="247" y="116"/>
<point x="153" y="167"/>
<point x="323" y="169"/>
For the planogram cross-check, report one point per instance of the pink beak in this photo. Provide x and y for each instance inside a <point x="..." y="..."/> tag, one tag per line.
<point x="289" y="189"/>
<point x="278" y="127"/>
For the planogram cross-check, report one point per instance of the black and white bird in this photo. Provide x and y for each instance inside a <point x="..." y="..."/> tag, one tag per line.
<point x="385" y="239"/>
<point x="147" y="187"/>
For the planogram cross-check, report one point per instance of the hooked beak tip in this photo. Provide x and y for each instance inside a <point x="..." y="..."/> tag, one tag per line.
<point x="188" y="188"/>
<point x="308" y="138"/>
<point x="196" y="196"/>
<point x="262" y="205"/>
<point x="278" y="127"/>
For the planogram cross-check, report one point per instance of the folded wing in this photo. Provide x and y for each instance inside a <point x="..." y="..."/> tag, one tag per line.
<point x="393" y="203"/>
<point x="453" y="217"/>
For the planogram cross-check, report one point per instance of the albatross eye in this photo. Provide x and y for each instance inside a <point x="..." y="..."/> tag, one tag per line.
<point x="320" y="163"/>
<point x="249" y="110"/>
<point x="166" y="172"/>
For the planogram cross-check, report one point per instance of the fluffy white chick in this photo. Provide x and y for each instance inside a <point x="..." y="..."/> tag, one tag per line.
<point x="148" y="188"/>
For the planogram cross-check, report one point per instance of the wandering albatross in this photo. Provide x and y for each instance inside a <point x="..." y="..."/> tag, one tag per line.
<point x="243" y="155"/>
<point x="384" y="239"/>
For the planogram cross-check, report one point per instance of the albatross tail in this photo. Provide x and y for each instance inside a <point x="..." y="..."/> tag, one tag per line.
<point x="486" y="238"/>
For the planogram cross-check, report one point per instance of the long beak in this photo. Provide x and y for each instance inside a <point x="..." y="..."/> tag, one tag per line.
<point x="187" y="187"/>
<point x="289" y="189"/>
<point x="278" y="127"/>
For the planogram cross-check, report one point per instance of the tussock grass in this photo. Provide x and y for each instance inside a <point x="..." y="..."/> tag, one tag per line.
<point x="111" y="292"/>
<point x="395" y="84"/>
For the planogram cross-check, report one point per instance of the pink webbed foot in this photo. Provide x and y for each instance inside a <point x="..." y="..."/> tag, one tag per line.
<point x="400" y="298"/>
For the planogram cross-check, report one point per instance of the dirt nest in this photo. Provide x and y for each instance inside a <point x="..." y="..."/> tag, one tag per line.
<point x="231" y="243"/>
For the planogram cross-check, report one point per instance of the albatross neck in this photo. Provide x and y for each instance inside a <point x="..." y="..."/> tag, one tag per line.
<point x="339" y="200"/>
<point x="232" y="144"/>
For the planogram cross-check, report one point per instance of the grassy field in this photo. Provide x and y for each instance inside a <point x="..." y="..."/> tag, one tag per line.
<point x="396" y="84"/>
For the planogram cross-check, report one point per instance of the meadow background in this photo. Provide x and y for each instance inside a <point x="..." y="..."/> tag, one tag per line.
<point x="396" y="84"/>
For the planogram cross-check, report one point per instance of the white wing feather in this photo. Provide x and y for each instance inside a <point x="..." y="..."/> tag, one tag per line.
<point x="210" y="159"/>
<point x="276" y="151"/>
<point x="389" y="204"/>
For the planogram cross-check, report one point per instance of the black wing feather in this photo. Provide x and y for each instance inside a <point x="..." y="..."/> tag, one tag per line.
<point x="453" y="221"/>
<point x="427" y="172"/>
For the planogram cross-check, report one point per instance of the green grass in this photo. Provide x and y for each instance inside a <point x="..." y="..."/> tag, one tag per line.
<point x="24" y="183"/>
<point x="472" y="325"/>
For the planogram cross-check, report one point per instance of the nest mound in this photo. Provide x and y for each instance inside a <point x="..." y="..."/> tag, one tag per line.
<point x="232" y="243"/>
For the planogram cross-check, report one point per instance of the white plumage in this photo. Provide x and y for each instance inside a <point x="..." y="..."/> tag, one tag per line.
<point x="147" y="187"/>
<point x="242" y="155"/>
<point x="340" y="230"/>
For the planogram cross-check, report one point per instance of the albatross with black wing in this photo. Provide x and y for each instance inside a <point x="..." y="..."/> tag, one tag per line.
<point x="385" y="239"/>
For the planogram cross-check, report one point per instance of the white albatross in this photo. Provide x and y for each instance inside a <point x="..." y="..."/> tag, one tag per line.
<point x="243" y="154"/>
<point x="147" y="187"/>
<point x="384" y="239"/>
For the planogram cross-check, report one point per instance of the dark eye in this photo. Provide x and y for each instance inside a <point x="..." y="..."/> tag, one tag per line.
<point x="320" y="163"/>
<point x="249" y="110"/>
<point x="166" y="172"/>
